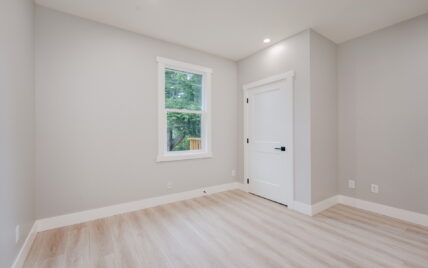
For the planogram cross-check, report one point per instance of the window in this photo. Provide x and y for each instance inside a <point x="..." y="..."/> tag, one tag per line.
<point x="184" y="111"/>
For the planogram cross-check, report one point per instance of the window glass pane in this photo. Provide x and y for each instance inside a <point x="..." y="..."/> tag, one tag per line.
<point x="183" y="90"/>
<point x="183" y="131"/>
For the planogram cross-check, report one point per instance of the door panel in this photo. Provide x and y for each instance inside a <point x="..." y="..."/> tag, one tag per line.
<point x="270" y="126"/>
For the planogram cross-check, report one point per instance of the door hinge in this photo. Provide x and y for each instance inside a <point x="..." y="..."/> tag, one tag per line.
<point x="248" y="181"/>
<point x="248" y="140"/>
<point x="247" y="100"/>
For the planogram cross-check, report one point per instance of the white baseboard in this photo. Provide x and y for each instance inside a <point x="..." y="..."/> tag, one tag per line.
<point x="301" y="207"/>
<point x="398" y="213"/>
<point x="323" y="205"/>
<point x="93" y="214"/>
<point x="26" y="246"/>
<point x="312" y="210"/>
<point x="401" y="214"/>
<point x="244" y="187"/>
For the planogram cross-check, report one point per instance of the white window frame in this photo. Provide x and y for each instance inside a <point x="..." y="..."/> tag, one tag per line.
<point x="205" y="152"/>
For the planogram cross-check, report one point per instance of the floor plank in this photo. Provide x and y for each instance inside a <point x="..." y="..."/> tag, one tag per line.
<point x="234" y="229"/>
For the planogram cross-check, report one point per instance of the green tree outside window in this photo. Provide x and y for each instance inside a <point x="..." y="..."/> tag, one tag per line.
<point x="182" y="91"/>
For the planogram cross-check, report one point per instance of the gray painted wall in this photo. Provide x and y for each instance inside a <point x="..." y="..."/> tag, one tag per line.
<point x="96" y="112"/>
<point x="290" y="54"/>
<point x="313" y="58"/>
<point x="323" y="118"/>
<point x="16" y="125"/>
<point x="383" y="115"/>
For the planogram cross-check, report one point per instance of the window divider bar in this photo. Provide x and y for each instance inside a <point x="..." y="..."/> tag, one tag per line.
<point x="183" y="111"/>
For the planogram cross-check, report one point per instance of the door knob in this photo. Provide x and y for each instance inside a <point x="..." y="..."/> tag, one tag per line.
<point x="282" y="148"/>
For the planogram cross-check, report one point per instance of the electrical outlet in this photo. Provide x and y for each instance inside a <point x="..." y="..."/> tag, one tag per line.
<point x="351" y="184"/>
<point x="375" y="188"/>
<point x="169" y="185"/>
<point x="17" y="233"/>
<point x="233" y="173"/>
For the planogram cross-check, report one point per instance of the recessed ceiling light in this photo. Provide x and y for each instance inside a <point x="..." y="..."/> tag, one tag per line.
<point x="266" y="40"/>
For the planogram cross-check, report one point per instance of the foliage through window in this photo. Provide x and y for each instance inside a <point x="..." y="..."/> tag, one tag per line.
<point x="183" y="91"/>
<point x="184" y="111"/>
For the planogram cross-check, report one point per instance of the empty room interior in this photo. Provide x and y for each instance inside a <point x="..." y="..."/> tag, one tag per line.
<point x="227" y="133"/>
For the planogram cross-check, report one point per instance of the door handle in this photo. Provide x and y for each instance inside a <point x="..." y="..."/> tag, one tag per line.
<point x="282" y="148"/>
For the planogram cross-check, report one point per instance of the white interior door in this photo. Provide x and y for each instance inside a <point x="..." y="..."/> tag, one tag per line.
<point x="269" y="148"/>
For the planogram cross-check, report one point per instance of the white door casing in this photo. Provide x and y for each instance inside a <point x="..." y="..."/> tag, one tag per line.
<point x="268" y="124"/>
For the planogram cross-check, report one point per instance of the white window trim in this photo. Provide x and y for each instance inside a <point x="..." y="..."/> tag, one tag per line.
<point x="163" y="154"/>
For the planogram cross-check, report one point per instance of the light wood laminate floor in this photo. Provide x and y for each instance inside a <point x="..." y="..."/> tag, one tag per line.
<point x="234" y="229"/>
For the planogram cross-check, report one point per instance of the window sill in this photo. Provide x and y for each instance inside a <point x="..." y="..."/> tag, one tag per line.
<point x="183" y="156"/>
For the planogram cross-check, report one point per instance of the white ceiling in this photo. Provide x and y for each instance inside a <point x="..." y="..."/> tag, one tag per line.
<point x="235" y="28"/>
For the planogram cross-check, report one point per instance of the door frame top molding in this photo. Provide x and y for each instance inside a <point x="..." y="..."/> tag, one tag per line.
<point x="268" y="80"/>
